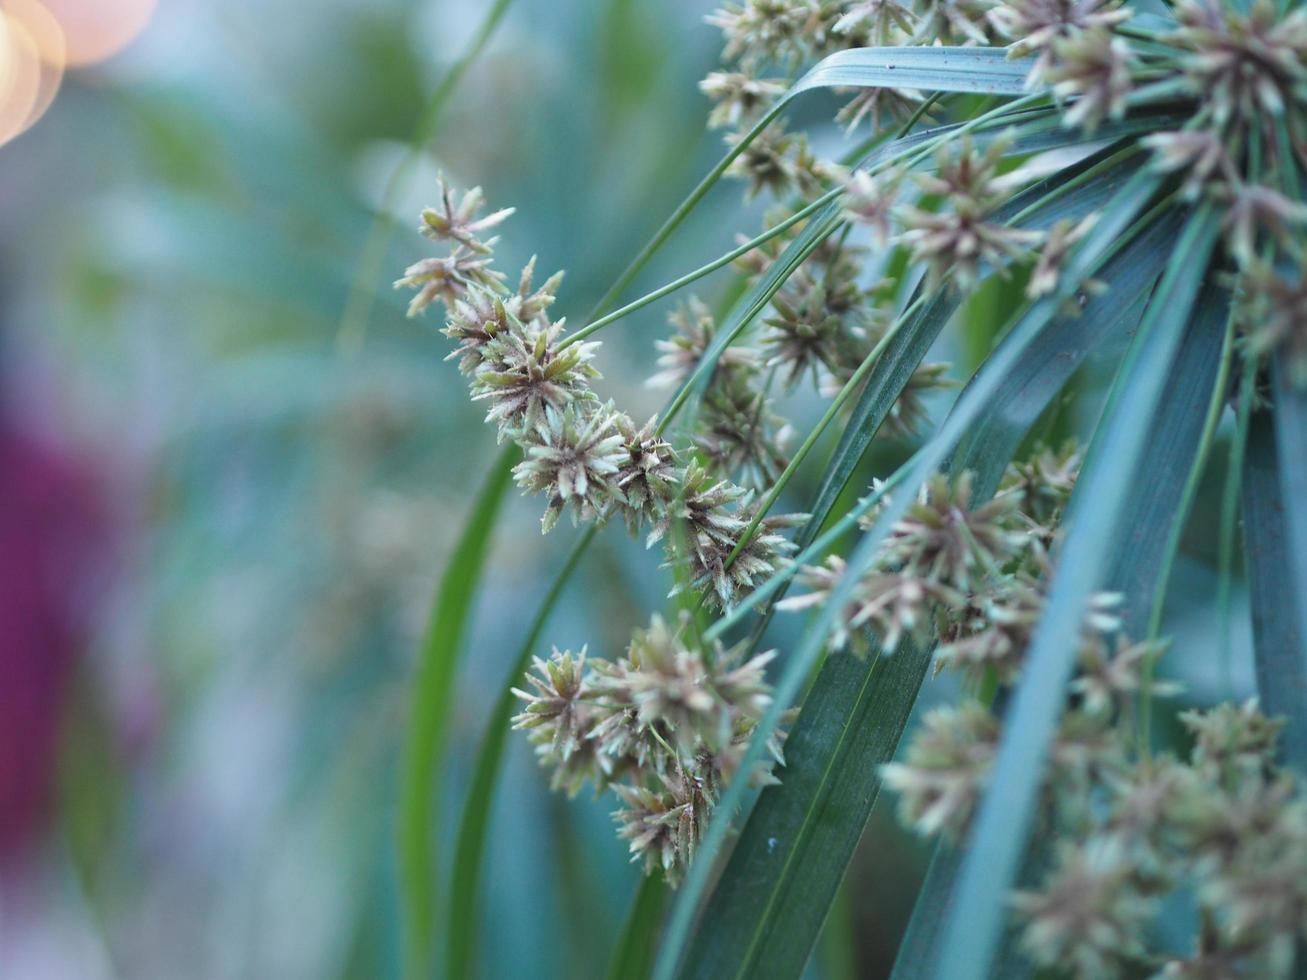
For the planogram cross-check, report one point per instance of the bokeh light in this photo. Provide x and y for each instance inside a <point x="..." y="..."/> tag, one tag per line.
<point x="32" y="53"/>
<point x="98" y="29"/>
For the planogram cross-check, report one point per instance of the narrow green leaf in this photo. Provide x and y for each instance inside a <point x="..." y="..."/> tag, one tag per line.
<point x="1101" y="242"/>
<point x="433" y="690"/>
<point x="1175" y="435"/>
<point x="983" y="71"/>
<point x="921" y="942"/>
<point x="1275" y="592"/>
<point x="474" y="823"/>
<point x="796" y="845"/>
<point x="1291" y="438"/>
<point x="772" y="899"/>
<point x="975" y="923"/>
<point x="634" y="953"/>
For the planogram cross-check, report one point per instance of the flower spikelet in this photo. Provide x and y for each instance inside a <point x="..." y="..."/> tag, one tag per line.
<point x="940" y="781"/>
<point x="526" y="371"/>
<point x="574" y="458"/>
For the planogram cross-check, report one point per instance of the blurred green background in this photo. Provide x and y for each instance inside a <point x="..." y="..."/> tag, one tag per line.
<point x="252" y="467"/>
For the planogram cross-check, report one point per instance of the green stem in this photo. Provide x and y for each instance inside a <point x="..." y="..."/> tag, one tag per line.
<point x="432" y="693"/>
<point x="362" y="291"/>
<point x="679" y="215"/>
<point x="703" y="270"/>
<point x="844" y="394"/>
<point x="474" y="822"/>
<point x="1230" y="512"/>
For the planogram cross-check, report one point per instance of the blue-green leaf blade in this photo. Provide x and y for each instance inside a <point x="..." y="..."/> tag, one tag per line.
<point x="974" y="926"/>
<point x="1276" y="593"/>
<point x="433" y="690"/>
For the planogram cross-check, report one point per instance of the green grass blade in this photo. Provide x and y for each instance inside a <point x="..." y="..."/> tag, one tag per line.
<point x="634" y="953"/>
<point x="474" y="823"/>
<point x="1152" y="519"/>
<point x="433" y="690"/>
<point x="974" y="926"/>
<point x="982" y="71"/>
<point x="796" y="845"/>
<point x="773" y="897"/>
<point x="1291" y="438"/>
<point x="1101" y="242"/>
<point x="1275" y="591"/>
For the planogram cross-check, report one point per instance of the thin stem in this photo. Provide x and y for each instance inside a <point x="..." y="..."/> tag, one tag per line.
<point x="362" y="291"/>
<point x="827" y="417"/>
<point x="1229" y="514"/>
<point x="679" y="215"/>
<point x="703" y="270"/>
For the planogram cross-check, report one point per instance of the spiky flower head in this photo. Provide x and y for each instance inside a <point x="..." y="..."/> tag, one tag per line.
<point x="947" y="765"/>
<point x="458" y="223"/>
<point x="691" y="697"/>
<point x="1062" y="237"/>
<point x="663" y="825"/>
<point x="1110" y="674"/>
<point x="447" y="279"/>
<point x="1276" y="317"/>
<point x="1200" y="154"/>
<point x="682" y="352"/>
<point x="555" y="708"/>
<point x="1233" y="739"/>
<point x="713" y="516"/>
<point x="953" y="22"/>
<point x="870" y="200"/>
<point x="893" y="605"/>
<point x="779" y="162"/>
<point x="776" y="31"/>
<point x="957" y="239"/>
<point x="1247" y="64"/>
<point x="1034" y="25"/>
<point x="943" y="538"/>
<point x="1088" y="916"/>
<point x="648" y="475"/>
<point x="573" y="457"/>
<point x="1041" y="485"/>
<point x="739" y="435"/>
<point x="1253" y="211"/>
<point x="878" y="23"/>
<point x="1091" y="68"/>
<point x="739" y="97"/>
<point x="804" y="334"/>
<point x="526" y="371"/>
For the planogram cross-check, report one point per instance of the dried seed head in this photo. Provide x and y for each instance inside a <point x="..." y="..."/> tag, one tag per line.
<point x="573" y="456"/>
<point x="459" y="223"/>
<point x="526" y="371"/>
<point x="682" y="352"/>
<point x="947" y="765"/>
<point x="1092" y="68"/>
<point x="740" y="97"/>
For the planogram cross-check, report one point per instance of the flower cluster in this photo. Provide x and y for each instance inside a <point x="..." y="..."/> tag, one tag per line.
<point x="1228" y="825"/>
<point x="585" y="456"/>
<point x="969" y="572"/>
<point x="665" y="727"/>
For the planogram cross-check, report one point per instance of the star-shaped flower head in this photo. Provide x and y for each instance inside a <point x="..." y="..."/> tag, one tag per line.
<point x="573" y="456"/>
